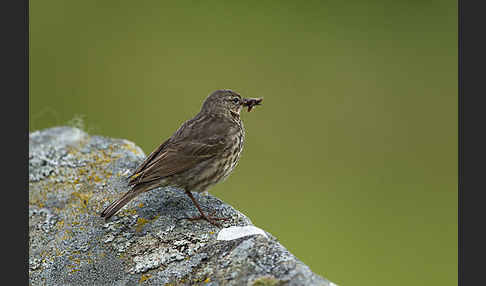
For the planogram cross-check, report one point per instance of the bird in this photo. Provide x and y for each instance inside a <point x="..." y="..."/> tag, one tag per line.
<point x="201" y="153"/>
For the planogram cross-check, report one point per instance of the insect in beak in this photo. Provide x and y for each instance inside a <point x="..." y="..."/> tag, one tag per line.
<point x="251" y="102"/>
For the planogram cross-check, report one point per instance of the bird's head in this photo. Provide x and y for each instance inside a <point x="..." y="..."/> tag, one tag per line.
<point x="226" y="101"/>
<point x="223" y="101"/>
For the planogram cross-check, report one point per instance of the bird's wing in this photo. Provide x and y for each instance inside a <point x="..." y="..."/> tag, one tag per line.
<point x="150" y="158"/>
<point x="194" y="142"/>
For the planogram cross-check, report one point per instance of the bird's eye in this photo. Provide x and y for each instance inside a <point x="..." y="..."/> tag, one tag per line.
<point x="236" y="100"/>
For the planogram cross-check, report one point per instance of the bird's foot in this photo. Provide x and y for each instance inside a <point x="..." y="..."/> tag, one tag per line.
<point x="209" y="218"/>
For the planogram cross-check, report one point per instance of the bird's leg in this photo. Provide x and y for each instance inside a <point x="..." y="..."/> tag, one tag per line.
<point x="212" y="220"/>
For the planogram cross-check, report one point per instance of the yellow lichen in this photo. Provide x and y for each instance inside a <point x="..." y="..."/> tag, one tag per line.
<point x="83" y="197"/>
<point x="96" y="178"/>
<point x="135" y="175"/>
<point x="144" y="277"/>
<point x="140" y="223"/>
<point x="132" y="149"/>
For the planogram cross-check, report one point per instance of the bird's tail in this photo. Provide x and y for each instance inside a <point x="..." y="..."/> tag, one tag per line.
<point x="118" y="204"/>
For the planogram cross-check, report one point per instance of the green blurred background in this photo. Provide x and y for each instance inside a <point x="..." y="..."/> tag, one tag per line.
<point x="352" y="160"/>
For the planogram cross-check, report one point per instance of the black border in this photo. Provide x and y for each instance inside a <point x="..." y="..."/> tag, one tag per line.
<point x="14" y="117"/>
<point x="24" y="102"/>
<point x="472" y="143"/>
<point x="26" y="122"/>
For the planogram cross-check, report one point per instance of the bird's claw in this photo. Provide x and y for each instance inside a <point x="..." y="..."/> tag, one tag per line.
<point x="209" y="218"/>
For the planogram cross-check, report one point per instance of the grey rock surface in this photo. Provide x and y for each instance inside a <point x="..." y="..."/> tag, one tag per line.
<point x="74" y="175"/>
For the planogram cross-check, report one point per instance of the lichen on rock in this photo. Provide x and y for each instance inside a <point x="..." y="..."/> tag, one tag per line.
<point x="74" y="175"/>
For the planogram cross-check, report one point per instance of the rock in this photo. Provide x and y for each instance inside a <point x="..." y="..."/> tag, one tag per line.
<point x="73" y="176"/>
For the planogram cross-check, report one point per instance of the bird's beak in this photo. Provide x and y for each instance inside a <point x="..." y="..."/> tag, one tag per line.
<point x="251" y="102"/>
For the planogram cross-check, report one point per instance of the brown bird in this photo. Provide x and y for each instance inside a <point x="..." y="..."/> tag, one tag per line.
<point x="201" y="153"/>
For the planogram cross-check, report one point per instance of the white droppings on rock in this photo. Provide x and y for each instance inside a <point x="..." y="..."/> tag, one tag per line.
<point x="235" y="232"/>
